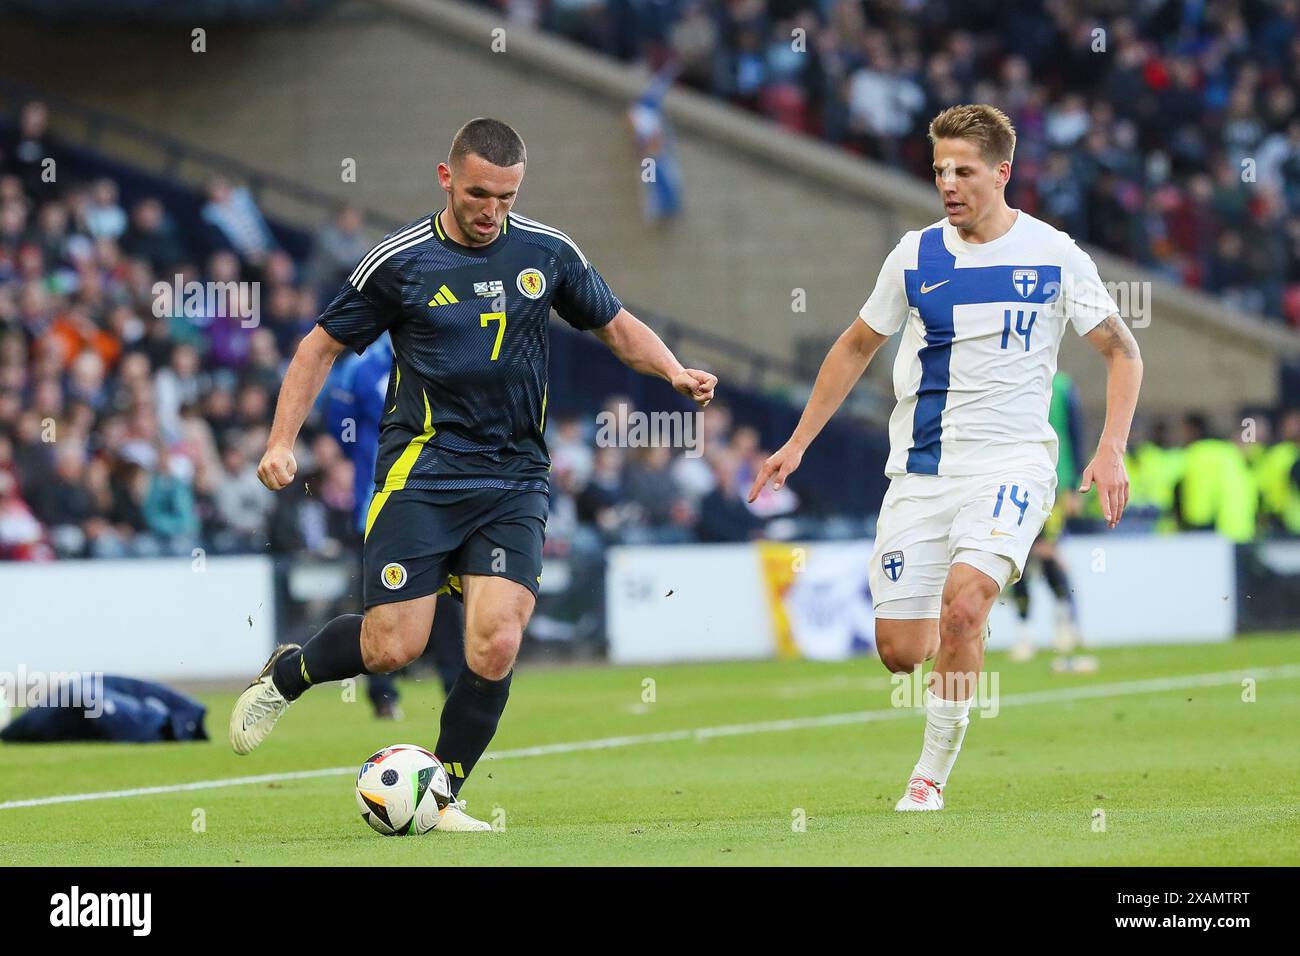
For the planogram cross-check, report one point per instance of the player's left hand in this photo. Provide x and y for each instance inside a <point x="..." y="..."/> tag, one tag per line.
<point x="1107" y="472"/>
<point x="696" y="385"/>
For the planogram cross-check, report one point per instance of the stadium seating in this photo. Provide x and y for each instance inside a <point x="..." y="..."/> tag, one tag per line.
<point x="1170" y="135"/>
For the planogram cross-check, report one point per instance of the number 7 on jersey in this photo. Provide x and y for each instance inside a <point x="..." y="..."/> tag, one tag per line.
<point x="484" y="319"/>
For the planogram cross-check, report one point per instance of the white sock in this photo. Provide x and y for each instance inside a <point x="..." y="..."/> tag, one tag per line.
<point x="945" y="726"/>
<point x="1066" y="635"/>
<point x="1025" y="633"/>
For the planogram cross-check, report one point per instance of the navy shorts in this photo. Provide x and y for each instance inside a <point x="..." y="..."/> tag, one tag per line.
<point x="420" y="542"/>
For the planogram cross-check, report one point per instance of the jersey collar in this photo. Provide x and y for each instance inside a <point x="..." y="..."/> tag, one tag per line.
<point x="959" y="246"/>
<point x="481" y="251"/>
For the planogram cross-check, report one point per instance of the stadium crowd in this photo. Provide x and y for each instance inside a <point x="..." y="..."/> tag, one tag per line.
<point x="131" y="422"/>
<point x="1166" y="132"/>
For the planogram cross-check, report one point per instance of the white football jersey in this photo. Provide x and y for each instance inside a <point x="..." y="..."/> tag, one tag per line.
<point x="982" y="323"/>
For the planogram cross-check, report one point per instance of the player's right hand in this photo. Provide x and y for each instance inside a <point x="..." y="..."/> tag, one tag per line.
<point x="277" y="467"/>
<point x="778" y="468"/>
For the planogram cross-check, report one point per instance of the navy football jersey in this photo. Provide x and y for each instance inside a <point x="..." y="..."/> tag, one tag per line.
<point x="466" y="402"/>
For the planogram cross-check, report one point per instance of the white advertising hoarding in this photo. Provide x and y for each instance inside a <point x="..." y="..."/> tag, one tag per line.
<point x="714" y="602"/>
<point x="686" y="603"/>
<point x="1157" y="589"/>
<point x="166" y="618"/>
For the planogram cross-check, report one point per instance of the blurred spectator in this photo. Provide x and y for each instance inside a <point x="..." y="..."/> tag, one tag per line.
<point x="1277" y="472"/>
<point x="21" y="536"/>
<point x="231" y="211"/>
<point x="177" y="384"/>
<point x="658" y="169"/>
<point x="1217" y="490"/>
<point x="648" y="485"/>
<point x="152" y="238"/>
<point x="723" y="515"/>
<point x="339" y="246"/>
<point x="27" y="152"/>
<point x="570" y="450"/>
<point x="242" y="504"/>
<point x="104" y="218"/>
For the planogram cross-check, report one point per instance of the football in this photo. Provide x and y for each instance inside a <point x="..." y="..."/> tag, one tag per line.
<point x="401" y="789"/>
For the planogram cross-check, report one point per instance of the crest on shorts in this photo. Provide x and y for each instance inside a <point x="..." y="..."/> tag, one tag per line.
<point x="393" y="576"/>
<point x="531" y="283"/>
<point x="892" y="563"/>
<point x="1025" y="281"/>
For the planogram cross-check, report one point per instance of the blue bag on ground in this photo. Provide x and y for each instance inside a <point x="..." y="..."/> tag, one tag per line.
<point x="118" y="709"/>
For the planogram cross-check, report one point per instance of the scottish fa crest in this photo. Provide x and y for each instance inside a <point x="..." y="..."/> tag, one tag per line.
<point x="892" y="563"/>
<point x="1025" y="281"/>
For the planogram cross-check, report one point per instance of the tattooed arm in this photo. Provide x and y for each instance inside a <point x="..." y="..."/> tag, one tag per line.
<point x="1115" y="342"/>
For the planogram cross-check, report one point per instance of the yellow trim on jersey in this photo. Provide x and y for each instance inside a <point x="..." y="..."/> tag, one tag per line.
<point x="401" y="470"/>
<point x="437" y="224"/>
<point x="396" y="387"/>
<point x="444" y="296"/>
<point x="376" y="506"/>
<point x="545" y="390"/>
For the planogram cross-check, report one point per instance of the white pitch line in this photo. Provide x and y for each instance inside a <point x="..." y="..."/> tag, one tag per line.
<point x="1127" y="688"/>
<point x="175" y="788"/>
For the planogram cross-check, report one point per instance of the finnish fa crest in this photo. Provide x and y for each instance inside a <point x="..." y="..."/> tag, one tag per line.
<point x="1025" y="281"/>
<point x="892" y="563"/>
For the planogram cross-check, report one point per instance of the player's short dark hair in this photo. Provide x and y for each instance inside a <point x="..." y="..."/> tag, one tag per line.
<point x="985" y="126"/>
<point x="495" y="141"/>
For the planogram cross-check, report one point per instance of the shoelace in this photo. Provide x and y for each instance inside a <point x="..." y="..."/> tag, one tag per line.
<point x="263" y="707"/>
<point x="919" y="789"/>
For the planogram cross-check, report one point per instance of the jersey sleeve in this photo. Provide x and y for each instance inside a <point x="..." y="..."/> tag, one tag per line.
<point x="367" y="306"/>
<point x="1086" y="301"/>
<point x="887" y="308"/>
<point x="582" y="297"/>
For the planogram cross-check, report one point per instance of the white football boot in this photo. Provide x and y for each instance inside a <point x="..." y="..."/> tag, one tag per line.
<point x="1076" y="664"/>
<point x="453" y="819"/>
<point x="922" y="794"/>
<point x="1068" y="641"/>
<point x="258" y="707"/>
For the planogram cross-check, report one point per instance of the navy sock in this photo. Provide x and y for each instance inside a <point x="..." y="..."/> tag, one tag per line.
<point x="1054" y="571"/>
<point x="1020" y="592"/>
<point x="469" y="721"/>
<point x="333" y="654"/>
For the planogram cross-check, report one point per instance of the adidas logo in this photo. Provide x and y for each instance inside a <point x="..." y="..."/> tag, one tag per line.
<point x="443" y="296"/>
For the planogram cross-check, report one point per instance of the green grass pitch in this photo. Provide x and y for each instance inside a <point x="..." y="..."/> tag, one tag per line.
<point x="1186" y="772"/>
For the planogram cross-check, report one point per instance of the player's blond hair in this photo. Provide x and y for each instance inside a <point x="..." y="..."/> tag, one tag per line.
<point x="985" y="126"/>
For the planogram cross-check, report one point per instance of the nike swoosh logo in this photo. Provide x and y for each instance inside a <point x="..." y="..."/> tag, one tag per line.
<point x="1001" y="534"/>
<point x="930" y="288"/>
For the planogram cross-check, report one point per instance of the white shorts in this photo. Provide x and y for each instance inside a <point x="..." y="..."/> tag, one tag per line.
<point x="929" y="522"/>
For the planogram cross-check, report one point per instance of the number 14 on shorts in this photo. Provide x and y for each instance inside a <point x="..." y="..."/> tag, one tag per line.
<point x="1018" y="498"/>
